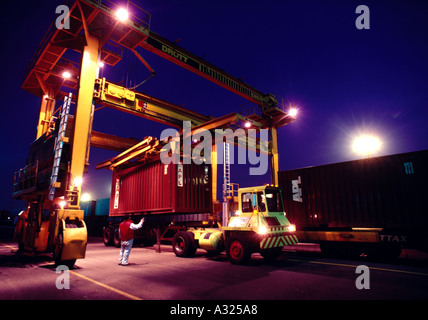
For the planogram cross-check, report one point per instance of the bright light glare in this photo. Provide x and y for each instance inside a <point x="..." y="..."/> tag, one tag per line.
<point x="291" y="228"/>
<point x="66" y="75"/>
<point x="293" y="112"/>
<point x="366" y="145"/>
<point x="247" y="124"/>
<point x="78" y="181"/>
<point x="263" y="230"/>
<point x="101" y="64"/>
<point x="122" y="14"/>
<point x="62" y="204"/>
<point x="86" y="197"/>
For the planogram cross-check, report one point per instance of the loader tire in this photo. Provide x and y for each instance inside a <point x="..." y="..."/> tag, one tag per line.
<point x="58" y="252"/>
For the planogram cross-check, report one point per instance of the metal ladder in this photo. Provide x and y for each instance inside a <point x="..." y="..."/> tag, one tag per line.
<point x="226" y="171"/>
<point x="59" y="145"/>
<point x="226" y="182"/>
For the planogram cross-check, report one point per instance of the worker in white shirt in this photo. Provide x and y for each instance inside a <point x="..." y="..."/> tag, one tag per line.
<point x="126" y="235"/>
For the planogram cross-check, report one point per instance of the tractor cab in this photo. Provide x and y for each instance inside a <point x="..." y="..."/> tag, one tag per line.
<point x="260" y="209"/>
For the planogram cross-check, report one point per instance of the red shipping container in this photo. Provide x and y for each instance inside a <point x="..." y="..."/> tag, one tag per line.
<point x="157" y="188"/>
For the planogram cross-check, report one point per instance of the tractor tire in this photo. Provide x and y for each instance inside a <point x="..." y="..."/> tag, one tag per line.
<point x="107" y="237"/>
<point x="116" y="239"/>
<point x="183" y="244"/>
<point x="238" y="250"/>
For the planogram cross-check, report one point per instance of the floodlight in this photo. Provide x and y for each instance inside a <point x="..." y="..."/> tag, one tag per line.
<point x="66" y="75"/>
<point x="292" y="112"/>
<point x="366" y="145"/>
<point x="122" y="14"/>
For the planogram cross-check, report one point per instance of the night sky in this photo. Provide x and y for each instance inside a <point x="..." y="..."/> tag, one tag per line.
<point x="343" y="80"/>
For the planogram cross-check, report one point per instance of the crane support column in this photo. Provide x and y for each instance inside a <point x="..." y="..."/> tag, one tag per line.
<point x="83" y="114"/>
<point x="46" y="110"/>
<point x="274" y="160"/>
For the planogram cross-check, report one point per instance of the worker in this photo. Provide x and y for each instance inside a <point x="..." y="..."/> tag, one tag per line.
<point x="126" y="235"/>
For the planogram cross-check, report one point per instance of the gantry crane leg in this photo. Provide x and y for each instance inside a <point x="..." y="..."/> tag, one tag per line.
<point x="47" y="106"/>
<point x="70" y="231"/>
<point x="84" y="112"/>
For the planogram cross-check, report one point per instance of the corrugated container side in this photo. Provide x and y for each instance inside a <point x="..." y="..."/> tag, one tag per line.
<point x="157" y="188"/>
<point x="388" y="192"/>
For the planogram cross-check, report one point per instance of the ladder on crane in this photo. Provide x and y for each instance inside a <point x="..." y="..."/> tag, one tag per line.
<point x="230" y="190"/>
<point x="226" y="170"/>
<point x="59" y="142"/>
<point x="226" y="182"/>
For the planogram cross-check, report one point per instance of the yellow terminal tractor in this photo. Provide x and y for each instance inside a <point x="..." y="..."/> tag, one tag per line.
<point x="258" y="225"/>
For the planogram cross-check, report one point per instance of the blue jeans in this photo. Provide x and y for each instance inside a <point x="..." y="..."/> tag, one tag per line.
<point x="125" y="250"/>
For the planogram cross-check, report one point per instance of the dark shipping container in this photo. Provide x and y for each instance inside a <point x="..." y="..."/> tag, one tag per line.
<point x="389" y="192"/>
<point x="88" y="208"/>
<point x="102" y="207"/>
<point x="157" y="188"/>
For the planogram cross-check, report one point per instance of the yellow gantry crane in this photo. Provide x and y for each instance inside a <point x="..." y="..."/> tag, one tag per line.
<point x="51" y="182"/>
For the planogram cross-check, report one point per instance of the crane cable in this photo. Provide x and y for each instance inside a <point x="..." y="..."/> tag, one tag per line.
<point x="126" y="77"/>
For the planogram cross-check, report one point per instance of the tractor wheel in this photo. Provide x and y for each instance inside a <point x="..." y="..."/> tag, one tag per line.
<point x="183" y="244"/>
<point x="107" y="237"/>
<point x="238" y="250"/>
<point x="116" y="239"/>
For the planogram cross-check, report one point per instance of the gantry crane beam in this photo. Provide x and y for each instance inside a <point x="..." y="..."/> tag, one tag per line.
<point x="184" y="58"/>
<point x="118" y="97"/>
<point x="111" y="142"/>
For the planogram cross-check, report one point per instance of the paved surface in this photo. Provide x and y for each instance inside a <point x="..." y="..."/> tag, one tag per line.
<point x="162" y="276"/>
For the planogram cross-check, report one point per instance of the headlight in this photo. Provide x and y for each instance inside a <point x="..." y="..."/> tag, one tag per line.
<point x="263" y="230"/>
<point x="291" y="228"/>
